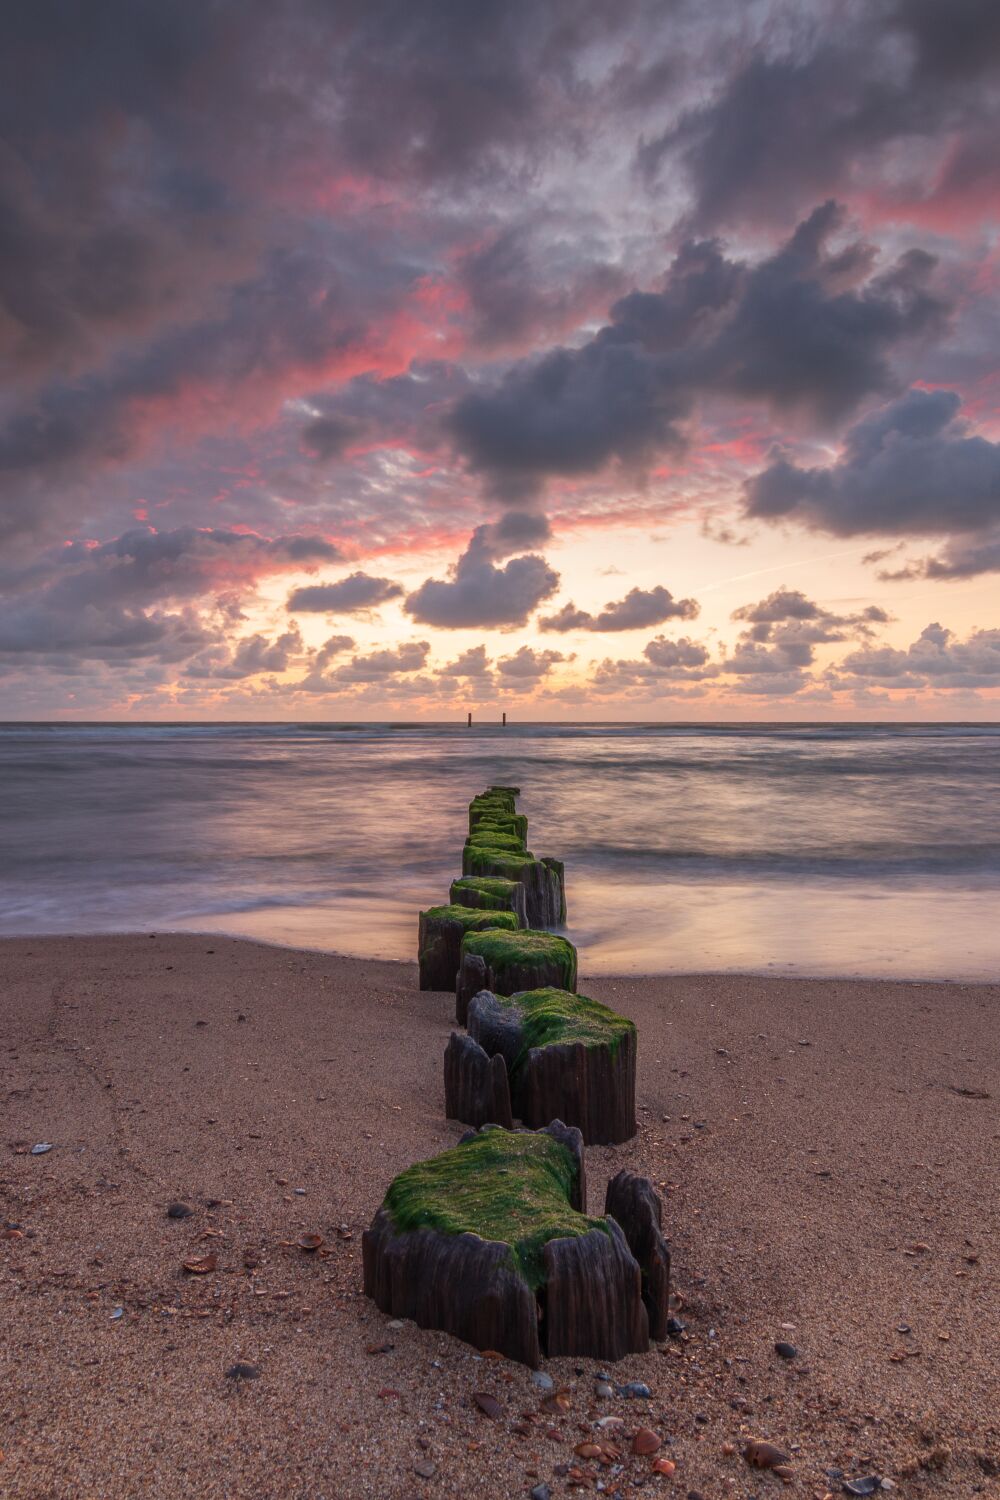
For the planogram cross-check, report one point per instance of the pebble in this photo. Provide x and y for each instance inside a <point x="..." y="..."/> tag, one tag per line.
<point x="602" y="1388"/>
<point x="675" y="1327"/>
<point x="544" y="1382"/>
<point x="179" y="1211"/>
<point x="41" y="1148"/>
<point x="787" y="1351"/>
<point x="119" y="1312"/>
<point x="541" y="1492"/>
<point x="426" y="1468"/>
<point x="866" y="1486"/>
<point x="635" y="1388"/>
<point x="242" y="1371"/>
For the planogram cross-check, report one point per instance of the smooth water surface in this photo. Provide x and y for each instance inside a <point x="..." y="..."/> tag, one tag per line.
<point x="812" y="849"/>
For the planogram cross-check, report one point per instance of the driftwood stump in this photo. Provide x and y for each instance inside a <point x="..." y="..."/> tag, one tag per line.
<point x="476" y="1088"/>
<point x="543" y="881"/>
<point x="486" y="893"/>
<point x="591" y="1087"/>
<point x="510" y="962"/>
<point x="584" y="1296"/>
<point x="633" y="1203"/>
<point x="589" y="1084"/>
<point x="439" y="940"/>
<point x="458" y="1283"/>
<point x="593" y="1297"/>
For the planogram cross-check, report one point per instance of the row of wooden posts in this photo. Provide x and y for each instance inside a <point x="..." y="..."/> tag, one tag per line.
<point x="565" y="1066"/>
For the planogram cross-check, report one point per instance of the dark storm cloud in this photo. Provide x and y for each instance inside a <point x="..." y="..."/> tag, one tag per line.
<point x="479" y="593"/>
<point x="356" y="592"/>
<point x="910" y="468"/>
<point x="639" y="609"/>
<point x="837" y="106"/>
<point x="811" y="330"/>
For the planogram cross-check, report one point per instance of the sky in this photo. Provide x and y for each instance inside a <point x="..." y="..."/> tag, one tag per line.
<point x="393" y="359"/>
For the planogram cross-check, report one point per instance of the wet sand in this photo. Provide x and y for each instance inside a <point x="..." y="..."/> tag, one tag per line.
<point x="831" y="1174"/>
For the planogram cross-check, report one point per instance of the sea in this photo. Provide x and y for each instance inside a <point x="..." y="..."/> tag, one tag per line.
<point x="807" y="849"/>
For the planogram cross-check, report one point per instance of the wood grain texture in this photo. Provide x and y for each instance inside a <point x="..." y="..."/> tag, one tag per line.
<point x="634" y="1204"/>
<point x="591" y="1087"/>
<point x="593" y="1297"/>
<point x="476" y="1088"/>
<point x="459" y="1283"/>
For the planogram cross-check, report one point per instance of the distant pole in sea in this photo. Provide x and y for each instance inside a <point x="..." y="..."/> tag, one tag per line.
<point x="505" y="718"/>
<point x="470" y="721"/>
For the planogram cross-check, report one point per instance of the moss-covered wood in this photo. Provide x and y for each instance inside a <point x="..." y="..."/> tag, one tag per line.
<point x="489" y="893"/>
<point x="488" y="837"/>
<point x="489" y="1242"/>
<point x="508" y="962"/>
<point x="544" y="894"/>
<point x="498" y="822"/>
<point x="567" y="1057"/>
<point x="439" y="940"/>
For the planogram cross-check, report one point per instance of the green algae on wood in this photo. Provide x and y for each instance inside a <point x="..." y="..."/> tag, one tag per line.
<point x="490" y="1242"/>
<point x="551" y="1016"/>
<point x="566" y="1056"/>
<point x="497" y="823"/>
<point x="491" y="838"/>
<point x="439" y="941"/>
<point x="544" y="891"/>
<point x="489" y="893"/>
<point x="507" y="962"/>
<point x="508" y="1186"/>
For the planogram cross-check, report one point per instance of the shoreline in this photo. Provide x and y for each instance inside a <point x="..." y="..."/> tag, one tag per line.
<point x="650" y="976"/>
<point x="822" y="1145"/>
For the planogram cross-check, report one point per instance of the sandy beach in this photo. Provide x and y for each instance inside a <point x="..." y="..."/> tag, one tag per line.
<point x="827" y="1152"/>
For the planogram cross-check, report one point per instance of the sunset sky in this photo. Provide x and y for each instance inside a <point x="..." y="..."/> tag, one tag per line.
<point x="580" y="359"/>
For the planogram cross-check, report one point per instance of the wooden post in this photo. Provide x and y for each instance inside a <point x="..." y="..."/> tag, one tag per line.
<point x="470" y="721"/>
<point x="505" y="719"/>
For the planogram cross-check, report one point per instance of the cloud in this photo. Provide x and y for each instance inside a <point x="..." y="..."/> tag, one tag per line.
<point x="663" y="661"/>
<point x="327" y="437"/>
<point x="810" y="330"/>
<point x="784" y="630"/>
<point x="479" y="593"/>
<point x="529" y="666"/>
<point x="350" y="595"/>
<point x="839" y="108"/>
<point x="528" y="281"/>
<point x="910" y="468"/>
<point x="936" y="659"/>
<point x="252" y="655"/>
<point x="379" y="665"/>
<point x="639" y="609"/>
<point x="471" y="663"/>
<point x="105" y="601"/>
